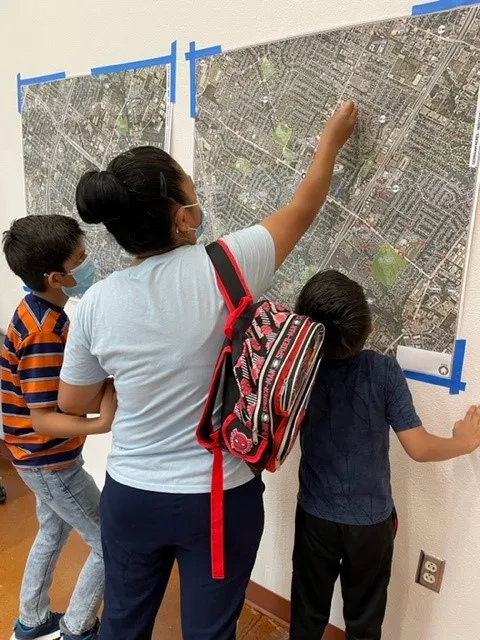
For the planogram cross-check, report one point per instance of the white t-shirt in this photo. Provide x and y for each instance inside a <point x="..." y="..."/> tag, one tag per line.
<point x="157" y="328"/>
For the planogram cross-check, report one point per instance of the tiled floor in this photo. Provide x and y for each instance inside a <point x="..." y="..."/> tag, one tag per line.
<point x="17" y="530"/>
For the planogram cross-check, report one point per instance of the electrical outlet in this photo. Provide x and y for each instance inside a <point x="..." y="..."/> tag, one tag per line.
<point x="430" y="572"/>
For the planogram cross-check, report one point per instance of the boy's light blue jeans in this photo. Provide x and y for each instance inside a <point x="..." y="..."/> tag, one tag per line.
<point x="66" y="499"/>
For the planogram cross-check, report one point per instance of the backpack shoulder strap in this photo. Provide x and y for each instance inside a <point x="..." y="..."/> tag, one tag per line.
<point x="230" y="279"/>
<point x="236" y="295"/>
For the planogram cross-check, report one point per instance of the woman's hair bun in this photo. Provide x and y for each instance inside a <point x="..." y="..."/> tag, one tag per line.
<point x="101" y="197"/>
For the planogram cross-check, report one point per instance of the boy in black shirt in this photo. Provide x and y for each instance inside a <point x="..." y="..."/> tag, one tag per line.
<point x="346" y="522"/>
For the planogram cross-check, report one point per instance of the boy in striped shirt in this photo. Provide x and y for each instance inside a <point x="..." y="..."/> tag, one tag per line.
<point x="48" y="254"/>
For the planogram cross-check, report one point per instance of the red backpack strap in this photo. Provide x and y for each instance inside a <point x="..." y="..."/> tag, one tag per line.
<point x="230" y="280"/>
<point x="209" y="439"/>
<point x="237" y="297"/>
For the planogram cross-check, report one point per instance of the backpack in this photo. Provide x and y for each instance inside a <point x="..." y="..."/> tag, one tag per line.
<point x="268" y="364"/>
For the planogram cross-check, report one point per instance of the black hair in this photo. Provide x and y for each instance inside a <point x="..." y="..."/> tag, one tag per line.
<point x="135" y="198"/>
<point x="341" y="306"/>
<point x="39" y="245"/>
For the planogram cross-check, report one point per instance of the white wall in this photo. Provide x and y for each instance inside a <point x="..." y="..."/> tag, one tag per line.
<point x="438" y="505"/>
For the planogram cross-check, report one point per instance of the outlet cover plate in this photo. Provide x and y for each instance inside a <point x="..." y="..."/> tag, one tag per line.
<point x="430" y="572"/>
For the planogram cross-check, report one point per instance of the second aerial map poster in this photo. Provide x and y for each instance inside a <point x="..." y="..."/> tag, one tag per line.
<point x="74" y="125"/>
<point x="399" y="210"/>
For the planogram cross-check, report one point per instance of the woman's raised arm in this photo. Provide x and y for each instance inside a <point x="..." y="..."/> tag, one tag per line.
<point x="287" y="225"/>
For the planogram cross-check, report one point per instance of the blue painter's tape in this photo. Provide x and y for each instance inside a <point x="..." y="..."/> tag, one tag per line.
<point x="192" y="56"/>
<point x="457" y="387"/>
<point x="19" y="94"/>
<point x="25" y="82"/>
<point x="173" y="72"/>
<point x="428" y="378"/>
<point x="52" y="77"/>
<point x="457" y="367"/>
<point x="454" y="384"/>
<point x="441" y="5"/>
<point x="129" y="66"/>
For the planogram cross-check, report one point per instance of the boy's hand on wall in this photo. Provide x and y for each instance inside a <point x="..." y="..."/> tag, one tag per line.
<point x="467" y="431"/>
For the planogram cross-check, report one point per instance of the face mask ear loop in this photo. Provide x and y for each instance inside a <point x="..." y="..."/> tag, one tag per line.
<point x="200" y="226"/>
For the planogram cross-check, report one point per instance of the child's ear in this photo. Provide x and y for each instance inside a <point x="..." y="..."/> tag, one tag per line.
<point x="55" y="280"/>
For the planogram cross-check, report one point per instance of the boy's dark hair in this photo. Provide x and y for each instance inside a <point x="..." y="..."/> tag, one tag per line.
<point x="341" y="306"/>
<point x="39" y="245"/>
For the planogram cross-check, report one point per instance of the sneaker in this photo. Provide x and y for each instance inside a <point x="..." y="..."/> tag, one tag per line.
<point x="93" y="634"/>
<point x="49" y="630"/>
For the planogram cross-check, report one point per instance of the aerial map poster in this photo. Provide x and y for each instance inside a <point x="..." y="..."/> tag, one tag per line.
<point x="73" y="125"/>
<point x="398" y="215"/>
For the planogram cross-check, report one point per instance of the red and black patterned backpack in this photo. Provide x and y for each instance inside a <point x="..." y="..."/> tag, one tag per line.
<point x="269" y="360"/>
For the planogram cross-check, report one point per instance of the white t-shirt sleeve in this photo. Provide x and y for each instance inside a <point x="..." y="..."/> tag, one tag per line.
<point x="254" y="251"/>
<point x="80" y="366"/>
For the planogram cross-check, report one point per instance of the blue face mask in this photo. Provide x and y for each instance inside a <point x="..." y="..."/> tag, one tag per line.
<point x="198" y="230"/>
<point x="84" y="276"/>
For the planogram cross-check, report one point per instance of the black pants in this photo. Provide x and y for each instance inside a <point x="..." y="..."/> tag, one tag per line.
<point x="144" y="533"/>
<point x="360" y="555"/>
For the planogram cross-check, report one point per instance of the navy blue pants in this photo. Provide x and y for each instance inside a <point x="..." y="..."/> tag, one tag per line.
<point x="144" y="533"/>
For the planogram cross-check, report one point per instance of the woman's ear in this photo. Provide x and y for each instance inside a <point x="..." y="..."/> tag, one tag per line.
<point x="183" y="219"/>
<point x="180" y="221"/>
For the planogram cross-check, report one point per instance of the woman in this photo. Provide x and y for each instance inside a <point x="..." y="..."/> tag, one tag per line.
<point x="157" y="328"/>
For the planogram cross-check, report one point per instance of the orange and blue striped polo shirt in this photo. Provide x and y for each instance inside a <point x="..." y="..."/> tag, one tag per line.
<point x="31" y="360"/>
